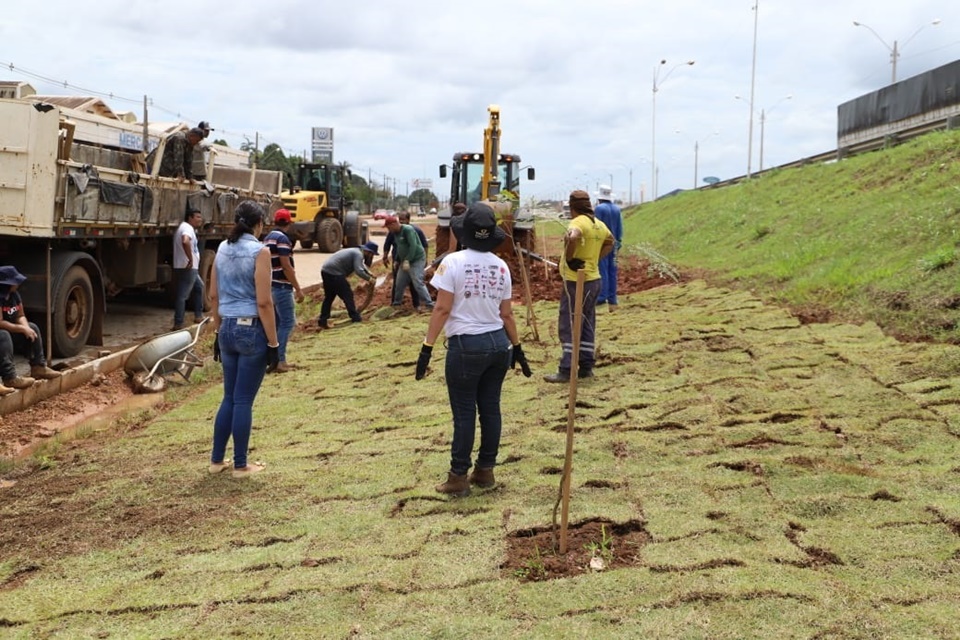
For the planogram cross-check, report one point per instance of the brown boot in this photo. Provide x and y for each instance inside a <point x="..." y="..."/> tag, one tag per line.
<point x="43" y="372"/>
<point x="20" y="382"/>
<point x="455" y="486"/>
<point x="482" y="478"/>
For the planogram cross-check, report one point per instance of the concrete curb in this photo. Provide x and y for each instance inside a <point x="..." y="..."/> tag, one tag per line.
<point x="71" y="379"/>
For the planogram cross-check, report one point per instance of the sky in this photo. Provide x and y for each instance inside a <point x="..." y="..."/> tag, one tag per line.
<point x="405" y="85"/>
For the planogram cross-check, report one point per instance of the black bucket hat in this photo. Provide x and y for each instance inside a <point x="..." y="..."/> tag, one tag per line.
<point x="477" y="228"/>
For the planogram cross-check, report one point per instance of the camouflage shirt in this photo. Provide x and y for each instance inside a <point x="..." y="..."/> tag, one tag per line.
<point x="177" y="161"/>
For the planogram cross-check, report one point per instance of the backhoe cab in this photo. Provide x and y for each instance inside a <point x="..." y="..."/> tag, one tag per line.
<point x="318" y="208"/>
<point x="493" y="177"/>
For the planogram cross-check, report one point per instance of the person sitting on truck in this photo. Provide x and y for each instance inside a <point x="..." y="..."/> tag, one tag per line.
<point x="200" y="153"/>
<point x="284" y="285"/>
<point x="177" y="159"/>
<point x="334" y="273"/>
<point x="17" y="334"/>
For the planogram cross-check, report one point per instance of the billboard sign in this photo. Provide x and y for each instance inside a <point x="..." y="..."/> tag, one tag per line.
<point x="322" y="144"/>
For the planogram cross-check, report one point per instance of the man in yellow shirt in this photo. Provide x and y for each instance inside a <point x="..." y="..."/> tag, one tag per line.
<point x="586" y="241"/>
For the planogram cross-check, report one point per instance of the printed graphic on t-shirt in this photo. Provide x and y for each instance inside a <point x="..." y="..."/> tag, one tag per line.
<point x="12" y="309"/>
<point x="483" y="281"/>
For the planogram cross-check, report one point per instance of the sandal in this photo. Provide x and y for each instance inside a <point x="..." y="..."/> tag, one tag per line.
<point x="249" y="470"/>
<point x="217" y="467"/>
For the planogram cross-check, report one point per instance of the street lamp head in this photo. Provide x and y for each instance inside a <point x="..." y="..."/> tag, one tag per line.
<point x="691" y="62"/>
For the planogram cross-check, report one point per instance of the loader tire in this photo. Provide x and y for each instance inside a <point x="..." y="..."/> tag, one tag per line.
<point x="329" y="235"/>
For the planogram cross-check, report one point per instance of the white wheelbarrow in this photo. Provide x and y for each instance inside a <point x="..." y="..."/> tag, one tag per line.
<point x="168" y="353"/>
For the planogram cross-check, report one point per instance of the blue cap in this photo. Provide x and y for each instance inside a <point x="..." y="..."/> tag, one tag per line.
<point x="371" y="247"/>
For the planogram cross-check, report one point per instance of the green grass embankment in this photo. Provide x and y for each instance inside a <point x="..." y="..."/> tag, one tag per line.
<point x="872" y="237"/>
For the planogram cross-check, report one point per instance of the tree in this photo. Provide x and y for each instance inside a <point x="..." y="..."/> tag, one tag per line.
<point x="422" y="198"/>
<point x="272" y="158"/>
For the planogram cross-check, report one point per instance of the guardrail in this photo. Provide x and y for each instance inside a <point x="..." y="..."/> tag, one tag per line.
<point x="871" y="144"/>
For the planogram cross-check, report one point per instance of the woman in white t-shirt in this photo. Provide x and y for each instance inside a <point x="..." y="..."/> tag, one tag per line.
<point x="474" y="310"/>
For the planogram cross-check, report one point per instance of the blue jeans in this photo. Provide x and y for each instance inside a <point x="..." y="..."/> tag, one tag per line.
<point x="285" y="309"/>
<point x="189" y="285"/>
<point x="414" y="276"/>
<point x="11" y="343"/>
<point x="475" y="368"/>
<point x="243" y="354"/>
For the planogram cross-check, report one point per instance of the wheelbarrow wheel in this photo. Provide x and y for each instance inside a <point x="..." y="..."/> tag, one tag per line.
<point x="143" y="382"/>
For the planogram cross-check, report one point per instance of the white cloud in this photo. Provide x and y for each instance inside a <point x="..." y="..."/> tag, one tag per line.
<point x="406" y="85"/>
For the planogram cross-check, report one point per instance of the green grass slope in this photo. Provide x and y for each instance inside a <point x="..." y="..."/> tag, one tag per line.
<point x="872" y="237"/>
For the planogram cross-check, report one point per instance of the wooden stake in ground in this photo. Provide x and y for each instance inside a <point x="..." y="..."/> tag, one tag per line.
<point x="543" y="252"/>
<point x="571" y="411"/>
<point x="527" y="297"/>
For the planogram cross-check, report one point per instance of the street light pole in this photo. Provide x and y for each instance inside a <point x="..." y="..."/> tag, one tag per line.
<point x="696" y="155"/>
<point x="753" y="78"/>
<point x="653" y="137"/>
<point x="696" y="161"/>
<point x="763" y="119"/>
<point x="896" y="48"/>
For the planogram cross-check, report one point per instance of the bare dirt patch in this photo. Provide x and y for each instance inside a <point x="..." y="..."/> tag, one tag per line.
<point x="22" y="429"/>
<point x="592" y="545"/>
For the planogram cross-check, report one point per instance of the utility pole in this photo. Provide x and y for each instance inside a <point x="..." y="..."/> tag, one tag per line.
<point x="753" y="78"/>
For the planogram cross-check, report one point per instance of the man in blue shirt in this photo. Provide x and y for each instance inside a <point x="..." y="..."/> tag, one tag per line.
<point x="609" y="214"/>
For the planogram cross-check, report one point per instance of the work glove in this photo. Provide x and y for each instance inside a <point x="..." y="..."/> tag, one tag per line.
<point x="273" y="358"/>
<point x="425" y="352"/>
<point x="519" y="358"/>
<point x="216" y="348"/>
<point x="406" y="265"/>
<point x="575" y="264"/>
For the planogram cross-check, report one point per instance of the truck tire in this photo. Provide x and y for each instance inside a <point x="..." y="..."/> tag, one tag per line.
<point x="73" y="311"/>
<point x="352" y="231"/>
<point x="329" y="235"/>
<point x="306" y="244"/>
<point x="206" y="272"/>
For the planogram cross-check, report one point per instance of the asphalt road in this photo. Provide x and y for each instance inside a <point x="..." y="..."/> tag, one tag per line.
<point x="135" y="318"/>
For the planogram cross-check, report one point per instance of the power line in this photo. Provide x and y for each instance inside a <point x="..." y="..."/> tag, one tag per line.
<point x="113" y="97"/>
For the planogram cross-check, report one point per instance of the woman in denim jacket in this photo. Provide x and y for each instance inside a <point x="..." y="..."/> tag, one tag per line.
<point x="246" y="341"/>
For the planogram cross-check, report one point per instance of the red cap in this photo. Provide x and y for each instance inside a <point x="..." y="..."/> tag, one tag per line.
<point x="281" y="215"/>
<point x="390" y="219"/>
